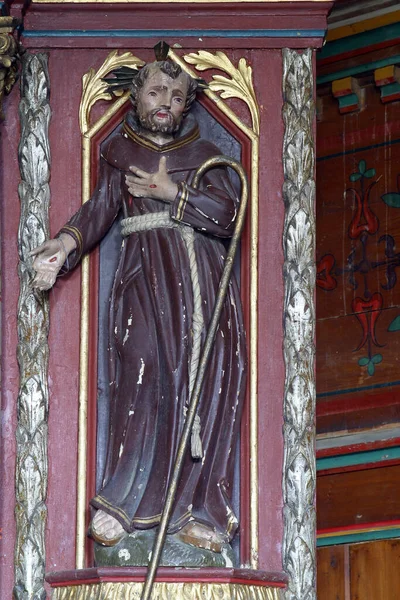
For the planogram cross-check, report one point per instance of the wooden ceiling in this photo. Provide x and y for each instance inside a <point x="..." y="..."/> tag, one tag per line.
<point x="354" y="10"/>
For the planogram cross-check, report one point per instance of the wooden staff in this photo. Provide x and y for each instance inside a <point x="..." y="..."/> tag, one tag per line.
<point x="215" y="161"/>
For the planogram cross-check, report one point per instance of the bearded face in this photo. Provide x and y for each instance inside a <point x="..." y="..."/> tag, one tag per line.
<point x="161" y="102"/>
<point x="159" y="121"/>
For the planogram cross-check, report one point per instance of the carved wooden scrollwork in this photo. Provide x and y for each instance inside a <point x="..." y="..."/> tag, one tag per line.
<point x="10" y="51"/>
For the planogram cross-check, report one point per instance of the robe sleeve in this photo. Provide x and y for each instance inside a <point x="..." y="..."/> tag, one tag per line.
<point x="92" y="221"/>
<point x="212" y="208"/>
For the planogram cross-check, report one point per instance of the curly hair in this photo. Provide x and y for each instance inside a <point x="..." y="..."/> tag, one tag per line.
<point x="172" y="70"/>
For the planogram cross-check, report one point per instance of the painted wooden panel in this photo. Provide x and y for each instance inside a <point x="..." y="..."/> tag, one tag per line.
<point x="331" y="573"/>
<point x="358" y="262"/>
<point x="366" y="571"/>
<point x="374" y="570"/>
<point x="367" y="496"/>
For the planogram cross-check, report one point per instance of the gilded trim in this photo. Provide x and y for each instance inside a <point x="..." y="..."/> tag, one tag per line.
<point x="182" y="201"/>
<point x="174" y="145"/>
<point x="10" y="58"/>
<point x="154" y="520"/>
<point x="168" y="591"/>
<point x="240" y="84"/>
<point x="76" y="234"/>
<point x="88" y="131"/>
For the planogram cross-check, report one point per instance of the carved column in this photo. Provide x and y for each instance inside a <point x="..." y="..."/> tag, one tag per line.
<point x="33" y="325"/>
<point x="299" y="476"/>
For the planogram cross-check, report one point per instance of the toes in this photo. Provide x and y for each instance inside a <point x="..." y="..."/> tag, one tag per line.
<point x="106" y="525"/>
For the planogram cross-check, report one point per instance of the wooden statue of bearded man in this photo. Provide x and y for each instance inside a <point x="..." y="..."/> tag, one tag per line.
<point x="171" y="260"/>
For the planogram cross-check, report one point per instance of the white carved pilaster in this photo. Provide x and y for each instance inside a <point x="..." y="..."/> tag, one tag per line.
<point x="299" y="476"/>
<point x="33" y="325"/>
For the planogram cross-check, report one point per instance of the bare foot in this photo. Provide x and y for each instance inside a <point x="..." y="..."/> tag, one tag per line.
<point x="105" y="529"/>
<point x="201" y="536"/>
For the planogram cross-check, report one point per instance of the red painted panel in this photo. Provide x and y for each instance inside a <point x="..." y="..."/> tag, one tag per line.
<point x="270" y="303"/>
<point x="9" y="206"/>
<point x="294" y="15"/>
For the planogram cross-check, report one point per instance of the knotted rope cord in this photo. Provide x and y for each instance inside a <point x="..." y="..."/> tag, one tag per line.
<point x="157" y="220"/>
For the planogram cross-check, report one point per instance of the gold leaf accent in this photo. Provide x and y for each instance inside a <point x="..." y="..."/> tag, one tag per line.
<point x="94" y="88"/>
<point x="240" y="85"/>
<point x="168" y="591"/>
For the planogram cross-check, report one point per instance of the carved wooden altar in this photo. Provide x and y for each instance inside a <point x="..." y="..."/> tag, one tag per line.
<point x="258" y="59"/>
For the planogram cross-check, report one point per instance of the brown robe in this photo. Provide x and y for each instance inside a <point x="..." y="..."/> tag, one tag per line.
<point x="150" y="335"/>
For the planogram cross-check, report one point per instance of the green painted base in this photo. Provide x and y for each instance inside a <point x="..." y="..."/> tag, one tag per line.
<point x="135" y="549"/>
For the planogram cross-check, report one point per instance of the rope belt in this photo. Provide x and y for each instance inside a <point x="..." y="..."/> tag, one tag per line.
<point x="159" y="220"/>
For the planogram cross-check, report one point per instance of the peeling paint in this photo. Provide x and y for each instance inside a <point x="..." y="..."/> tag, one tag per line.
<point x="140" y="378"/>
<point x="124" y="554"/>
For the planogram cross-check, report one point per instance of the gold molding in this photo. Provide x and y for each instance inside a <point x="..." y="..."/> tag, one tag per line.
<point x="10" y="58"/>
<point x="168" y="591"/>
<point x="240" y="83"/>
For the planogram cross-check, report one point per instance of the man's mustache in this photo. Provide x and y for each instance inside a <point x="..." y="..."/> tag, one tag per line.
<point x="161" y="109"/>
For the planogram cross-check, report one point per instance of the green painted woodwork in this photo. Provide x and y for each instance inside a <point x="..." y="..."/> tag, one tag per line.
<point x="358" y="458"/>
<point x="359" y="69"/>
<point x="348" y="101"/>
<point x="360" y="40"/>
<point x="391" y="89"/>
<point x="366" y="536"/>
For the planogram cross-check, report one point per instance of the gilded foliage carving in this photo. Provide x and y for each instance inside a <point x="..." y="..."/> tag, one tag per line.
<point x="240" y="84"/>
<point x="95" y="89"/>
<point x="10" y="50"/>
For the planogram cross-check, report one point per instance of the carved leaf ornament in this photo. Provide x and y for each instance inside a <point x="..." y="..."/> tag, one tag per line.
<point x="299" y="321"/>
<point x="33" y="327"/>
<point x="239" y="86"/>
<point x="94" y="88"/>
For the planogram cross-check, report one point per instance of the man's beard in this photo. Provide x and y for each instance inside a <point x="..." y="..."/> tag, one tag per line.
<point x="148" y="122"/>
